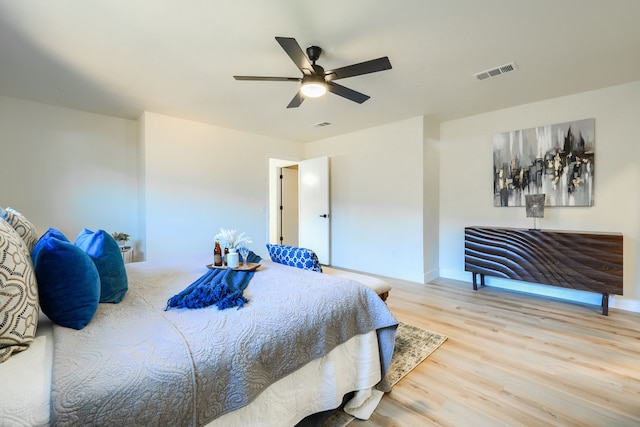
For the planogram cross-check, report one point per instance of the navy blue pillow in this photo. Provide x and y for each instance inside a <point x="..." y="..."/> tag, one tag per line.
<point x="51" y="232"/>
<point x="295" y="257"/>
<point x="105" y="253"/>
<point x="68" y="282"/>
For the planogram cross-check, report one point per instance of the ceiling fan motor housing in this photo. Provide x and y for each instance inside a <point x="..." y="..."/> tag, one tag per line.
<point x="313" y="52"/>
<point x="317" y="70"/>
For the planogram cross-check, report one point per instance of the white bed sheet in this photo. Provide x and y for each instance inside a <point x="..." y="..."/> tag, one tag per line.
<point x="25" y="386"/>
<point x="288" y="401"/>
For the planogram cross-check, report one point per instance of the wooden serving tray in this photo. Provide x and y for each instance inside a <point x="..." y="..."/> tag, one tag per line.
<point x="251" y="266"/>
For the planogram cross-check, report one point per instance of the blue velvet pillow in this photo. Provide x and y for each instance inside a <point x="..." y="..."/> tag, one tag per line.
<point x="51" y="232"/>
<point x="294" y="256"/>
<point x="68" y="282"/>
<point x="105" y="253"/>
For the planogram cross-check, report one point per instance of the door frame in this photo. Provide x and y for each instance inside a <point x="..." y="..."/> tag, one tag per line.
<point x="273" y="215"/>
<point x="275" y="165"/>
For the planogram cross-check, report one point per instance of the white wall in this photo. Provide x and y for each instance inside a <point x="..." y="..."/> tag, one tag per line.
<point x="176" y="182"/>
<point x="68" y="169"/>
<point x="431" y="198"/>
<point x="466" y="181"/>
<point x="200" y="178"/>
<point x="377" y="198"/>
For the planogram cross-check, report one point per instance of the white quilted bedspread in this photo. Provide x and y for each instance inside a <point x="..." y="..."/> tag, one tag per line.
<point x="136" y="364"/>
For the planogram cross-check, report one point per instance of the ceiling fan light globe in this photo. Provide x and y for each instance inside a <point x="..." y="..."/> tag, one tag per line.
<point x="313" y="89"/>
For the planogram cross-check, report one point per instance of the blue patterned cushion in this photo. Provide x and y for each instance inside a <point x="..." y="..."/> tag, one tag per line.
<point x="294" y="256"/>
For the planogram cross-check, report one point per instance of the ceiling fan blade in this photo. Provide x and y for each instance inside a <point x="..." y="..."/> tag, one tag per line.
<point x="372" y="66"/>
<point x="268" y="79"/>
<point x="345" y="92"/>
<point x="296" y="101"/>
<point x="293" y="49"/>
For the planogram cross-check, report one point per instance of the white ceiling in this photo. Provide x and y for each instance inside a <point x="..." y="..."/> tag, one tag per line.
<point x="177" y="57"/>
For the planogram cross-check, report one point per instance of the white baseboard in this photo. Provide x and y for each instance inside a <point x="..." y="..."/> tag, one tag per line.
<point x="615" y="301"/>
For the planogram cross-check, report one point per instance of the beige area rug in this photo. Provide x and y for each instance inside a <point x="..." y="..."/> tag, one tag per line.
<point x="413" y="345"/>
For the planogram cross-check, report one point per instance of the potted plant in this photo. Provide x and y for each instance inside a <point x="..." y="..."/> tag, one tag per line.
<point x="121" y="238"/>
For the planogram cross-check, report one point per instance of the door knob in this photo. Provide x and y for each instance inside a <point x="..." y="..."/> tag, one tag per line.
<point x="324" y="216"/>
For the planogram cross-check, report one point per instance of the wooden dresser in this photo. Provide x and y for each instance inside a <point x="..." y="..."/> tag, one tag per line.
<point x="586" y="261"/>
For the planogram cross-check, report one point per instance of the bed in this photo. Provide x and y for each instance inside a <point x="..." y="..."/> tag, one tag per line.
<point x="302" y="342"/>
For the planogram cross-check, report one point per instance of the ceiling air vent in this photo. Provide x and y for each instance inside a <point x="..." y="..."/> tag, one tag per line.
<point x="494" y="72"/>
<point x="321" y="124"/>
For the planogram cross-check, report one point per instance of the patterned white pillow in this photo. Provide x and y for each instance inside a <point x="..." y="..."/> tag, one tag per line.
<point x="22" y="225"/>
<point x="18" y="293"/>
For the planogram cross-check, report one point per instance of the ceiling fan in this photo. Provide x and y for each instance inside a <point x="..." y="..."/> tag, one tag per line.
<point x="315" y="81"/>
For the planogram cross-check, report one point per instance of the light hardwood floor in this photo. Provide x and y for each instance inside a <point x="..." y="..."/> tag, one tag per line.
<point x="514" y="359"/>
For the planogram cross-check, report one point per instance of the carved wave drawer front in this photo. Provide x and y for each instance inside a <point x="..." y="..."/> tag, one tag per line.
<point x="584" y="261"/>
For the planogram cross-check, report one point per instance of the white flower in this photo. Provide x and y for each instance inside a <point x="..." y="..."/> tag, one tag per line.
<point x="231" y="239"/>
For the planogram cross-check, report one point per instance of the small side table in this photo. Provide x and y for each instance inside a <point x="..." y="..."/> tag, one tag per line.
<point x="127" y="253"/>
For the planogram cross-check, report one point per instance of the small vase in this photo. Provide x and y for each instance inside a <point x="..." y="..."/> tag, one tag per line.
<point x="232" y="259"/>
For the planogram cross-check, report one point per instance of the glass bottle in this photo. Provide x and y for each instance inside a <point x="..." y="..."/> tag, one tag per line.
<point x="217" y="255"/>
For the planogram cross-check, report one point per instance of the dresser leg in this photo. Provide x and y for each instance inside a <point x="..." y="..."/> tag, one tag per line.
<point x="475" y="280"/>
<point x="605" y="304"/>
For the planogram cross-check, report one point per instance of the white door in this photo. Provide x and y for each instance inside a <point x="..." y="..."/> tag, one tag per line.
<point x="314" y="219"/>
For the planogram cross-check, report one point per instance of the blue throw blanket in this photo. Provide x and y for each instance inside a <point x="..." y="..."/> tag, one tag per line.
<point x="224" y="288"/>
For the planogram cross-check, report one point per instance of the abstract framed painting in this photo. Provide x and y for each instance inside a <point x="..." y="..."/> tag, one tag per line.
<point x="557" y="160"/>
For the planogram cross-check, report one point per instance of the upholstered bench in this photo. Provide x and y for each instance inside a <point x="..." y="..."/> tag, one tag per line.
<point x="379" y="286"/>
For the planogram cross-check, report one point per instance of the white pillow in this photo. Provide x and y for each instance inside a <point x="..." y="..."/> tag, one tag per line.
<point x="19" y="309"/>
<point x="22" y="225"/>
